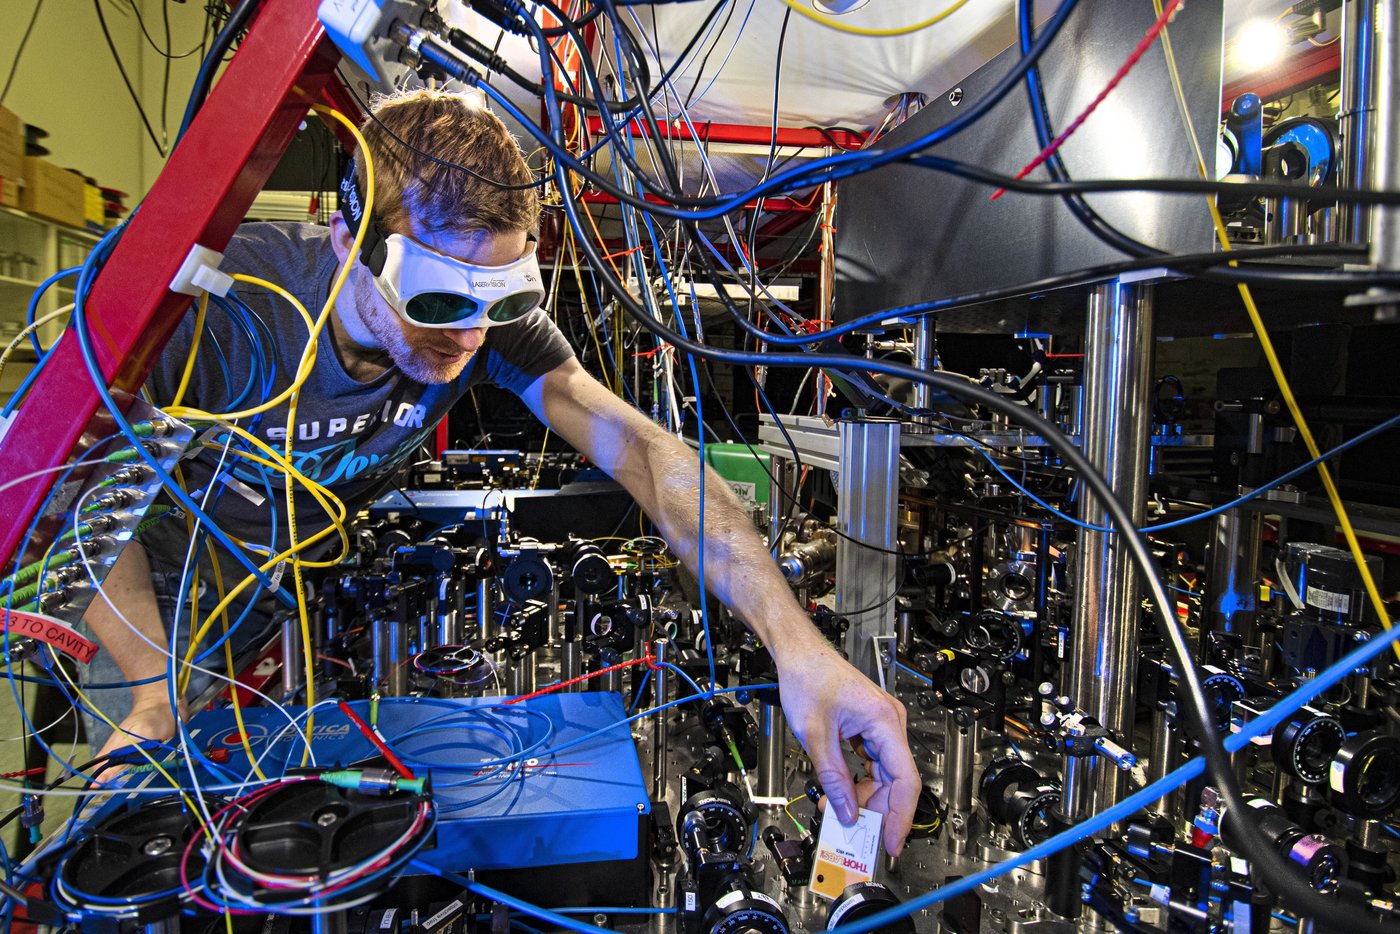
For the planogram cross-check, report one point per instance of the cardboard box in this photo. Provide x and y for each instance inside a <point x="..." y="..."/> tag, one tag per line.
<point x="52" y="192"/>
<point x="11" y="145"/>
<point x="94" y="206"/>
<point x="9" y="192"/>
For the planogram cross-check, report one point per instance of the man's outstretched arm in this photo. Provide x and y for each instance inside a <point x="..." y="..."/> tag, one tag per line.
<point x="826" y="700"/>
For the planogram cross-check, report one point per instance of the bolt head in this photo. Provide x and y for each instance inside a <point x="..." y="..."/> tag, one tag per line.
<point x="955" y="96"/>
<point x="326" y="818"/>
<point x="157" y="846"/>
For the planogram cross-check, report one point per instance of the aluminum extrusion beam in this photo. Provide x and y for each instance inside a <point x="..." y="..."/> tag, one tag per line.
<point x="866" y="511"/>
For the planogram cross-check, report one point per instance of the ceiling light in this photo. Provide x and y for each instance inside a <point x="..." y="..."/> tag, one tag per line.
<point x="1261" y="43"/>
<point x="837" y="7"/>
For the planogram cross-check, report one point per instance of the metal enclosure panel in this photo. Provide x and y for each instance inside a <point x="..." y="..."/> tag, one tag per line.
<point x="907" y="234"/>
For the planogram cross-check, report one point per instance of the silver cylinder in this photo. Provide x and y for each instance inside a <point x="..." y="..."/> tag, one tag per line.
<point x="1367" y="834"/>
<point x="1233" y="571"/>
<point x="924" y="359"/>
<point x="1164" y="756"/>
<point x="485" y="609"/>
<point x="571" y="662"/>
<point x="660" y="722"/>
<point x="1115" y="438"/>
<point x="772" y="751"/>
<point x="554" y="618"/>
<point x="390" y="643"/>
<point x="450" y="611"/>
<point x="293" y="662"/>
<point x="331" y="923"/>
<point x="1385" y="226"/>
<point x="610" y="683"/>
<point x="960" y="734"/>
<point x="522" y="675"/>
<point x="1356" y="113"/>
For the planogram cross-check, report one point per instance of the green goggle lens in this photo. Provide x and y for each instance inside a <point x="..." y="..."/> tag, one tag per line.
<point x="441" y="308"/>
<point x="512" y="307"/>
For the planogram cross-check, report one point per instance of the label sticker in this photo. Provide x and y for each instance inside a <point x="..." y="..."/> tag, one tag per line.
<point x="1336" y="776"/>
<point x="846" y="855"/>
<point x="53" y="632"/>
<point x="1326" y="600"/>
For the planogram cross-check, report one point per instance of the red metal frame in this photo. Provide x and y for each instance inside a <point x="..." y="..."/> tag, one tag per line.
<point x="281" y="68"/>
<point x="1293" y="74"/>
<point x="743" y="133"/>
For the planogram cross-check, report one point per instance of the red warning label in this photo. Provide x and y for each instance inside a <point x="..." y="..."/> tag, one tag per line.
<point x="54" y="632"/>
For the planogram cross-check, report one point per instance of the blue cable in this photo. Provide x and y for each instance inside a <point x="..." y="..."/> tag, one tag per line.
<point x="32" y="312"/>
<point x="909" y="671"/>
<point x="100" y="384"/>
<point x="1253" y="494"/>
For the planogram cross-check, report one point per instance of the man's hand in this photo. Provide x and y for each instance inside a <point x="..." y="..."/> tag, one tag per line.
<point x="150" y="719"/>
<point x="828" y="701"/>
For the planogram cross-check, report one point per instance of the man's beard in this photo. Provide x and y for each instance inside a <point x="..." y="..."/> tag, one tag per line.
<point x="382" y="322"/>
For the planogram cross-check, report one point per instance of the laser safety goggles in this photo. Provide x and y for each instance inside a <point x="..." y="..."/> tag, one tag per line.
<point x="429" y="289"/>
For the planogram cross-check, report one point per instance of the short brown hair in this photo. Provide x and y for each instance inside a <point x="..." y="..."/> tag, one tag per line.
<point x="441" y="197"/>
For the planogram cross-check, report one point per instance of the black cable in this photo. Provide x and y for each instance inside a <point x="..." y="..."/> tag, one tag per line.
<point x="166" y="52"/>
<point x="19" y="52"/>
<point x="729" y="17"/>
<point x="135" y="98"/>
<point x="204" y="80"/>
<point x="1199" y="709"/>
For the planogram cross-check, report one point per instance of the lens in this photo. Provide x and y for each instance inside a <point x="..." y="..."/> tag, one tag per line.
<point x="440" y="308"/>
<point x="512" y="307"/>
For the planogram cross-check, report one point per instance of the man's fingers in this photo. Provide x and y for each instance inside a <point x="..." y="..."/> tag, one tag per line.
<point x="825" y="753"/>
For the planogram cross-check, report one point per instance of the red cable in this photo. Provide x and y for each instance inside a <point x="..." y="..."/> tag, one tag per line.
<point x="373" y="737"/>
<point x="1133" y="59"/>
<point x="645" y="659"/>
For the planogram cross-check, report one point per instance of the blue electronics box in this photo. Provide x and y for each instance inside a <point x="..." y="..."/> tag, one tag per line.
<point x="578" y="804"/>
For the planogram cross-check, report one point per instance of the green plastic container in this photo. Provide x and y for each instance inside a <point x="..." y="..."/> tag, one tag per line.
<point x="746" y="474"/>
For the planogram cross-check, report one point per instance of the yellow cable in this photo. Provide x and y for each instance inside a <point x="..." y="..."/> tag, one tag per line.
<point x="797" y="7"/>
<point x="1265" y="343"/>
<point x="194" y="350"/>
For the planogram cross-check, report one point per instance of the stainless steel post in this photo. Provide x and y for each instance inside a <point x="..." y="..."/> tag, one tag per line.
<point x="293" y="663"/>
<point x="960" y="734"/>
<point x="866" y="501"/>
<point x="1102" y="670"/>
<point x="1234" y="571"/>
<point x="390" y="643"/>
<point x="924" y="359"/>
<point x="1356" y="113"/>
<point x="772" y="751"/>
<point x="660" y="722"/>
<point x="1385" y="225"/>
<point x="450" y="610"/>
<point x="485" y="608"/>
<point x="1163" y="757"/>
<point x="330" y="923"/>
<point x="780" y="496"/>
<point x="554" y="618"/>
<point x="522" y="674"/>
<point x="571" y="664"/>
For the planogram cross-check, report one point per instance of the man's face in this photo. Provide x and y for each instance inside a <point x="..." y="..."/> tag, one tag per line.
<point x="434" y="355"/>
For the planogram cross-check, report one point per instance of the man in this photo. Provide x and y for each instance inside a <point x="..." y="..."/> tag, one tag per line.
<point x="400" y="349"/>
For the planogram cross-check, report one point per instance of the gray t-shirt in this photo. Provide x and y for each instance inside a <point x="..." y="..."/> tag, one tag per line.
<point x="350" y="436"/>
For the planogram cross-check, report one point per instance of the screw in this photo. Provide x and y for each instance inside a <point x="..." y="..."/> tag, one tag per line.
<point x="326" y="819"/>
<point x="955" y="96"/>
<point x="157" y="845"/>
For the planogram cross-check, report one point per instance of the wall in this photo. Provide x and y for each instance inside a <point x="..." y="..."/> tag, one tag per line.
<point x="68" y="83"/>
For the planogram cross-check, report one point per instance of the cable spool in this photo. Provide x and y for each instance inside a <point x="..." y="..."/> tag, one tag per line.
<point x="745" y="910"/>
<point x="1364" y="778"/>
<point x="308" y="835"/>
<point x="1015" y="794"/>
<point x="456" y="667"/>
<point x="128" y="865"/>
<point x="1305" y="744"/>
<point x="860" y="900"/>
